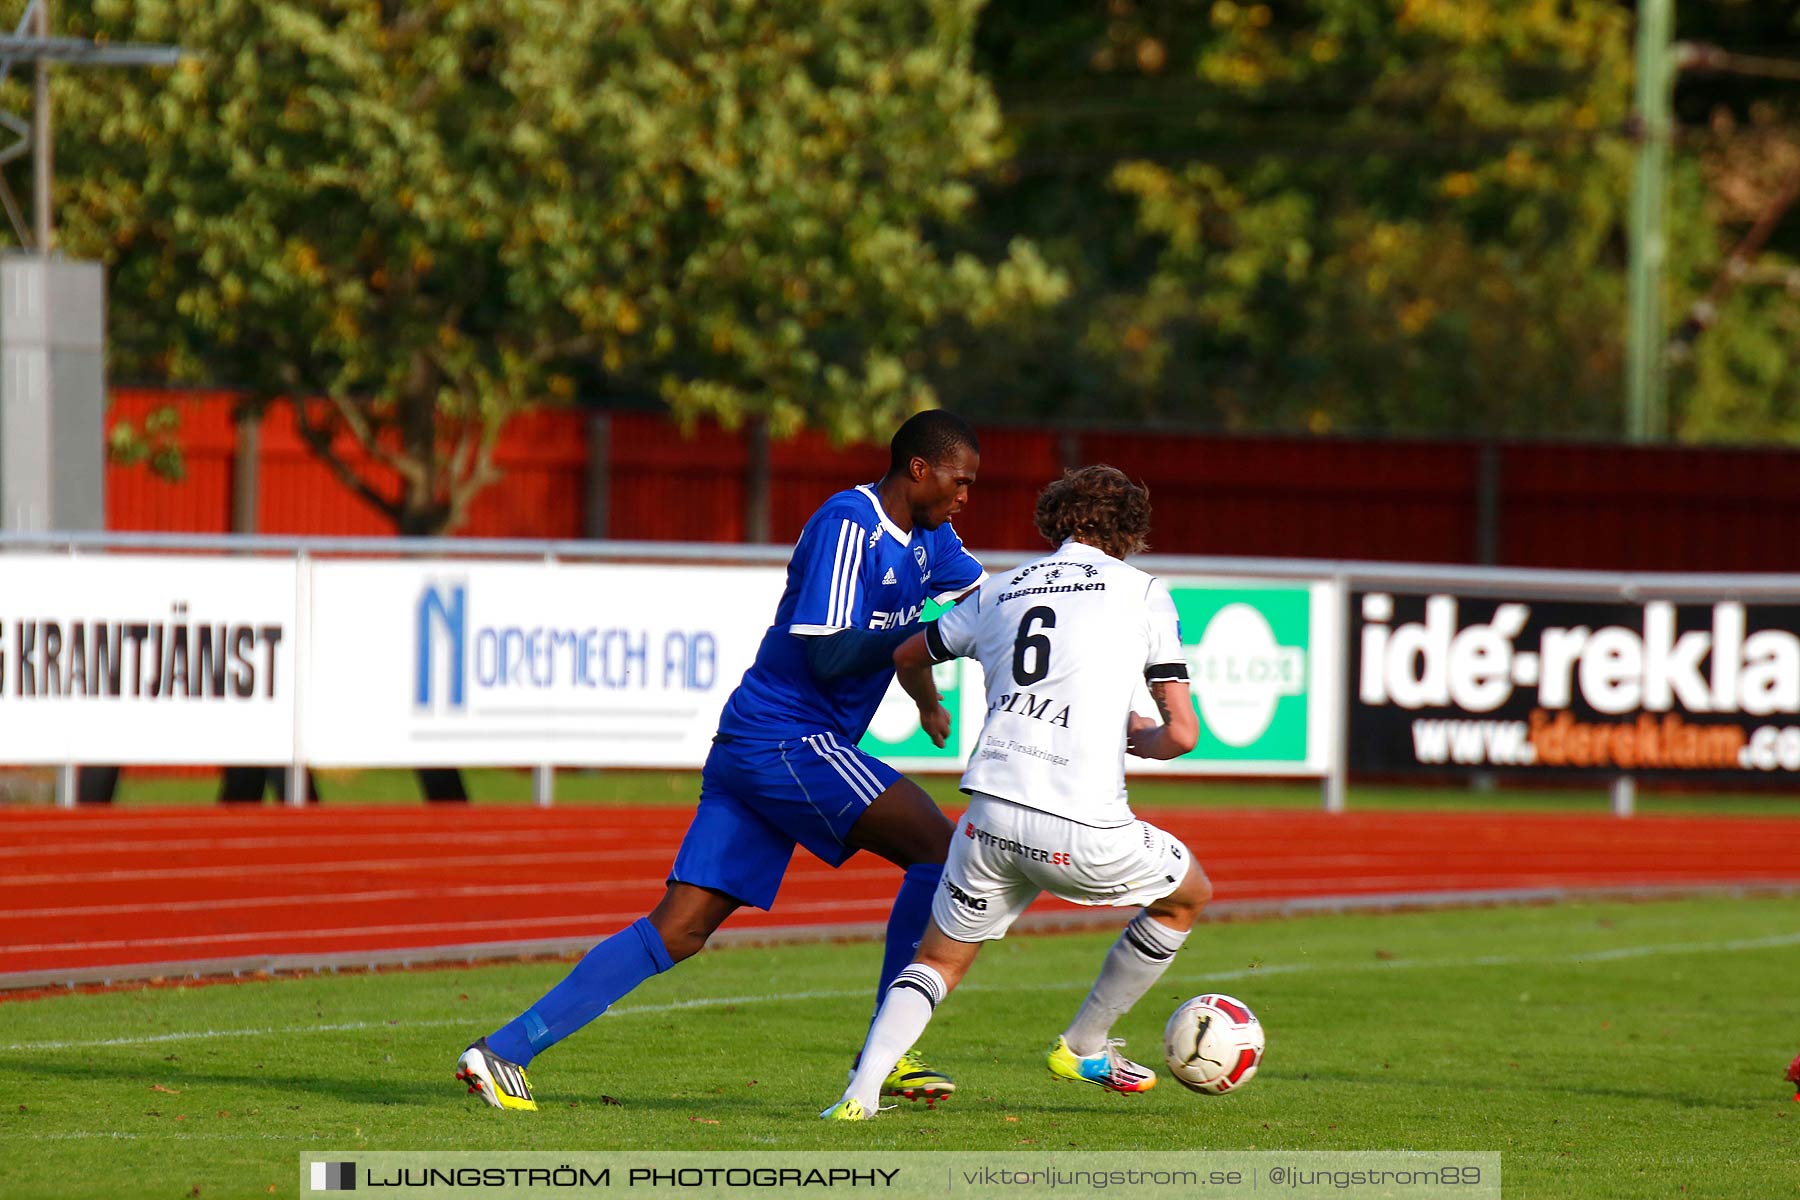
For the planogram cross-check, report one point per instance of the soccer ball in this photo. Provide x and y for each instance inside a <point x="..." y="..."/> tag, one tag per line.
<point x="1213" y="1044"/>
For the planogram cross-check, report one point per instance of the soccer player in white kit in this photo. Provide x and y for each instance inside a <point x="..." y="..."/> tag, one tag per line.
<point x="1065" y="642"/>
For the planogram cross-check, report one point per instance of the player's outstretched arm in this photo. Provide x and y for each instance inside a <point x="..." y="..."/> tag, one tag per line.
<point x="1179" y="731"/>
<point x="851" y="651"/>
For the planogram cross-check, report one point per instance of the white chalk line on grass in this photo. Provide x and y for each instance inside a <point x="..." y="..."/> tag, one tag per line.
<point x="333" y="1141"/>
<point x="200" y="1035"/>
<point x="1736" y="945"/>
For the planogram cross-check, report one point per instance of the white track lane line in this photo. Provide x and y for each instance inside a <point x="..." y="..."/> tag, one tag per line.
<point x="1652" y="950"/>
<point x="1293" y="889"/>
<point x="556" y="836"/>
<point x="1243" y="870"/>
<point x="276" y="936"/>
<point x="360" y="866"/>
<point x="408" y="815"/>
<point x="1297" y="888"/>
<point x="289" y="900"/>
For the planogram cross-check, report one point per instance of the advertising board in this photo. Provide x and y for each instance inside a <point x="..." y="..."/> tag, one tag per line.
<point x="1445" y="682"/>
<point x="143" y="659"/>
<point x="519" y="663"/>
<point x="1262" y="660"/>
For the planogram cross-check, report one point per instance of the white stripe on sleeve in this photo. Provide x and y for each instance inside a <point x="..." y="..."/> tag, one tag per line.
<point x="853" y="570"/>
<point x="837" y="575"/>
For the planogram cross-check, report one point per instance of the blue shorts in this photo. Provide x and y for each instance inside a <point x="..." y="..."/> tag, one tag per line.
<point x="758" y="800"/>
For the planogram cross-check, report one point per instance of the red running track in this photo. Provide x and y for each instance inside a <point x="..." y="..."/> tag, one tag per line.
<point x="100" y="894"/>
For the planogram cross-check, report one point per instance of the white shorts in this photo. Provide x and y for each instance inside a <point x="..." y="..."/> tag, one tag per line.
<point x="1003" y="854"/>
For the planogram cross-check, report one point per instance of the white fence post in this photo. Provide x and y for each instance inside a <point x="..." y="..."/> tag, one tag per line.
<point x="296" y="770"/>
<point x="1624" y="795"/>
<point x="1335" y="784"/>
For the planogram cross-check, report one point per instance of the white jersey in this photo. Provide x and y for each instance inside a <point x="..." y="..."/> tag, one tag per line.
<point x="1065" y="641"/>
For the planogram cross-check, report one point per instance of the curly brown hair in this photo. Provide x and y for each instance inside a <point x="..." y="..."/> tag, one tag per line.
<point x="1100" y="506"/>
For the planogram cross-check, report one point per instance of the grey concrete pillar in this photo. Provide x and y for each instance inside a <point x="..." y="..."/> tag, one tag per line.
<point x="52" y="394"/>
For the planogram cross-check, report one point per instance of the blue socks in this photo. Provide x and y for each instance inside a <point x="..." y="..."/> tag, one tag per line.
<point x="906" y="924"/>
<point x="604" y="974"/>
<point x="635" y="953"/>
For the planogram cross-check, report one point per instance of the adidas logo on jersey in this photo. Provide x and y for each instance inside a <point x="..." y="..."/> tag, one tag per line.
<point x="888" y="579"/>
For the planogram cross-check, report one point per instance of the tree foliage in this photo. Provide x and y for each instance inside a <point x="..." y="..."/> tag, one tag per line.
<point x="1347" y="215"/>
<point x="1375" y="215"/>
<point x="1742" y="379"/>
<point x="416" y="220"/>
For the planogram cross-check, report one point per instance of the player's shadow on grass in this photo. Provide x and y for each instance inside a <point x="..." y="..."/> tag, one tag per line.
<point x="702" y="1103"/>
<point x="387" y="1089"/>
<point x="384" y="1089"/>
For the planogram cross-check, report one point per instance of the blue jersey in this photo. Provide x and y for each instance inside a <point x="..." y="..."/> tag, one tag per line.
<point x="853" y="568"/>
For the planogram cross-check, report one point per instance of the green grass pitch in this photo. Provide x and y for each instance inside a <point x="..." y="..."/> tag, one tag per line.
<point x="1617" y="1050"/>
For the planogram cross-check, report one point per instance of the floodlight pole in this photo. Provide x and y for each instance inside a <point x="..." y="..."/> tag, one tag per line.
<point x="52" y="320"/>
<point x="42" y="228"/>
<point x="1646" y="381"/>
<point x="31" y="41"/>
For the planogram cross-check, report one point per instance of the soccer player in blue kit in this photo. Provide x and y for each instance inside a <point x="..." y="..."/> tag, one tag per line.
<point x="785" y="769"/>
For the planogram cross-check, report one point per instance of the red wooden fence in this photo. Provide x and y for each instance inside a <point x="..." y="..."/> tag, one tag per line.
<point x="1531" y="504"/>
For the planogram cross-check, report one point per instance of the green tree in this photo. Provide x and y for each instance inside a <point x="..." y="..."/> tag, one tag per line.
<point x="1374" y="215"/>
<point x="414" y="221"/>
<point x="1737" y="374"/>
<point x="1401" y="215"/>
